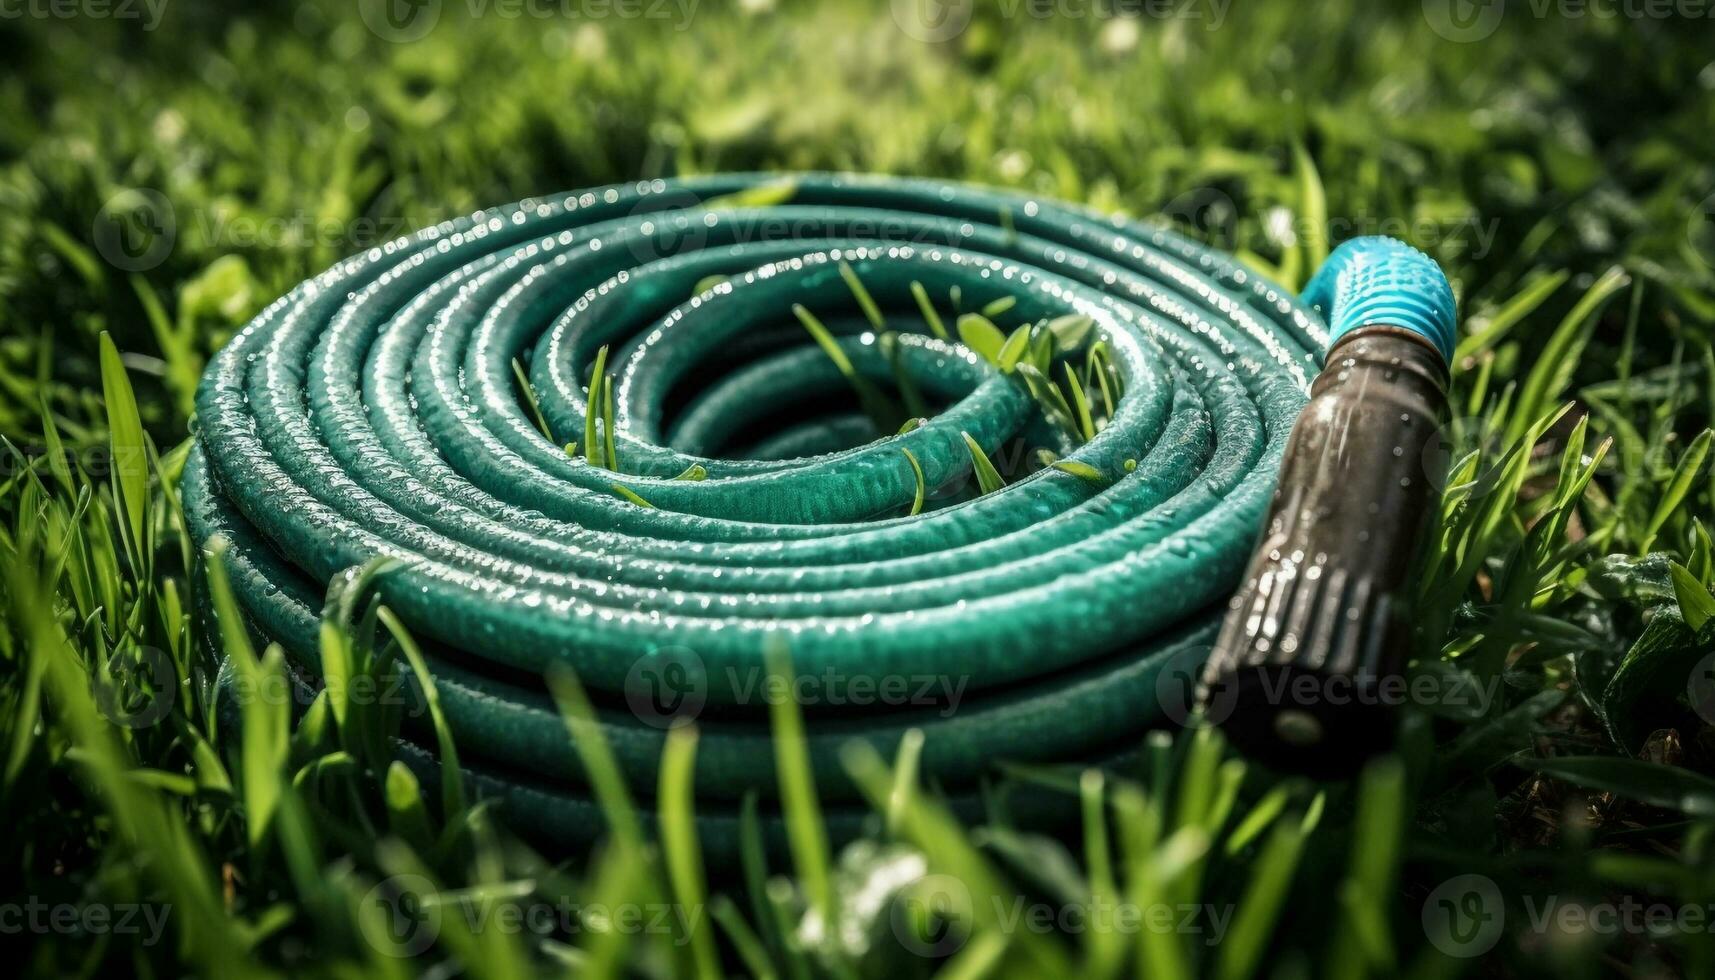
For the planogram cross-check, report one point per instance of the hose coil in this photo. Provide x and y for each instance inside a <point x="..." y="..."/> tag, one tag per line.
<point x="374" y="411"/>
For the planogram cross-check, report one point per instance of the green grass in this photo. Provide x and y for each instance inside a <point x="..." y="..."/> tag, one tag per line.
<point x="1559" y="170"/>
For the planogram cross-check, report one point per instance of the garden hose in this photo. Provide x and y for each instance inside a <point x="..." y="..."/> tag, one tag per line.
<point x="725" y="495"/>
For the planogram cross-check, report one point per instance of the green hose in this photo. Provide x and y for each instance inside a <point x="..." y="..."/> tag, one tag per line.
<point x="374" y="411"/>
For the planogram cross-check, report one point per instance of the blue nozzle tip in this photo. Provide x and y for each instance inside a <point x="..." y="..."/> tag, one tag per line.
<point x="1378" y="281"/>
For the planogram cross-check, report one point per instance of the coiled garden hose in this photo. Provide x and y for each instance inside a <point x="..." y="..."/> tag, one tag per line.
<point x="727" y="496"/>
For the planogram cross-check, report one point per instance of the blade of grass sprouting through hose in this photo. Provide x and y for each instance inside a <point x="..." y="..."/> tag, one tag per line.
<point x="1696" y="605"/>
<point x="679" y="844"/>
<point x="1047" y="396"/>
<point x="597" y="757"/>
<point x="1258" y="909"/>
<point x="767" y="195"/>
<point x="1070" y="330"/>
<point x="805" y="832"/>
<point x="981" y="336"/>
<point x="1014" y="349"/>
<point x="1081" y="402"/>
<point x="995" y="308"/>
<point x="592" y="408"/>
<point x="932" y="318"/>
<point x="452" y="776"/>
<point x="1678" y="488"/>
<point x="880" y="409"/>
<point x="1500" y="323"/>
<point x="1083" y="471"/>
<point x="915" y="406"/>
<point x="988" y="480"/>
<point x="1099" y="366"/>
<point x="631" y="496"/>
<point x="609" y="436"/>
<point x="865" y="301"/>
<point x="917" y="473"/>
<point x="528" y="391"/>
<point x="1554" y="366"/>
<point x="1312" y="208"/>
<point x="695" y="473"/>
<point x="130" y="457"/>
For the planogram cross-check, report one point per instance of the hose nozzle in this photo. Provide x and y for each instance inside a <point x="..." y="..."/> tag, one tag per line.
<point x="1309" y="665"/>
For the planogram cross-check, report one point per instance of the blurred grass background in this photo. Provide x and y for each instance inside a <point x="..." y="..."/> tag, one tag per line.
<point x="162" y="180"/>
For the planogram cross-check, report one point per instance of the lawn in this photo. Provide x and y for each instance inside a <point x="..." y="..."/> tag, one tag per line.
<point x="168" y="169"/>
